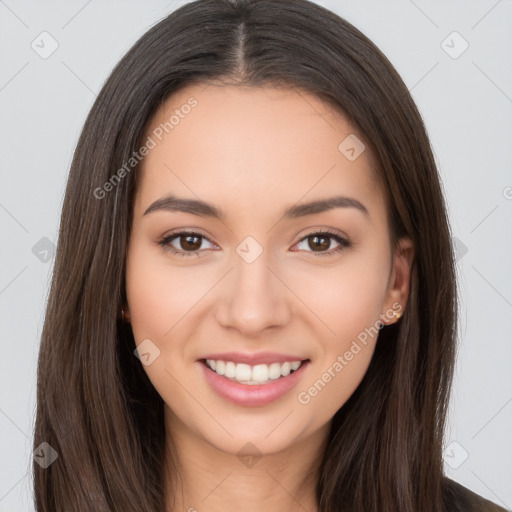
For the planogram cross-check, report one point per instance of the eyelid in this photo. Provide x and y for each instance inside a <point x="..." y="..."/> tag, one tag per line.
<point x="165" y="239"/>
<point x="324" y="230"/>
<point x="342" y="239"/>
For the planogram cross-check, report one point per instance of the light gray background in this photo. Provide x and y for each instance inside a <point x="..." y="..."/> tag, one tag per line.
<point x="466" y="103"/>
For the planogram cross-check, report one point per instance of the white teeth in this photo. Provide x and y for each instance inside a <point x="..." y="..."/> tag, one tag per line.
<point x="218" y="366"/>
<point x="230" y="371"/>
<point x="260" y="372"/>
<point x="246" y="374"/>
<point x="243" y="372"/>
<point x="274" y="371"/>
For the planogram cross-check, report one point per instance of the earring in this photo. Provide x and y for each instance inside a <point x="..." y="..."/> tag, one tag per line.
<point x="124" y="315"/>
<point x="397" y="315"/>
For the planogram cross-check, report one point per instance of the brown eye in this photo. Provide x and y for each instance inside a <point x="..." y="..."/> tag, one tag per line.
<point x="320" y="242"/>
<point x="190" y="242"/>
<point x="183" y="243"/>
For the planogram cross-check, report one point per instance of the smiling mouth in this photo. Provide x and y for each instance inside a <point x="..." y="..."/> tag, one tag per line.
<point x="259" y="374"/>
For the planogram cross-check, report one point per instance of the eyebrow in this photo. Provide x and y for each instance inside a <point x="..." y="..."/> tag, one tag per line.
<point x="171" y="203"/>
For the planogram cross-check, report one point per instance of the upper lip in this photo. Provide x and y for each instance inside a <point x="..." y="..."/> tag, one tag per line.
<point x="255" y="358"/>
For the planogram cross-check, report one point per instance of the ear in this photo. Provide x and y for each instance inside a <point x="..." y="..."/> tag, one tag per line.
<point x="125" y="313"/>
<point x="399" y="281"/>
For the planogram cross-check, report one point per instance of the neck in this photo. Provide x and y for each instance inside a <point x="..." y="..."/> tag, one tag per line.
<point x="200" y="477"/>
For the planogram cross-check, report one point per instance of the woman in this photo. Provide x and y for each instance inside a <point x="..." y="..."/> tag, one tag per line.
<point x="254" y="297"/>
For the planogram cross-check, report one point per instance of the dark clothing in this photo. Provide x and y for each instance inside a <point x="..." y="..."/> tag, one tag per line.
<point x="458" y="498"/>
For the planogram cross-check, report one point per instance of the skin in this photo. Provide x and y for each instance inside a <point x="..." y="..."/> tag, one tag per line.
<point x="254" y="152"/>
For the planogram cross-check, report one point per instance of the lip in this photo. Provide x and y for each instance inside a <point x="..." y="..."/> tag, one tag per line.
<point x="252" y="395"/>
<point x="254" y="359"/>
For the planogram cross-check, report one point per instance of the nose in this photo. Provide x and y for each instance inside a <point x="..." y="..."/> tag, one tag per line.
<point x="254" y="297"/>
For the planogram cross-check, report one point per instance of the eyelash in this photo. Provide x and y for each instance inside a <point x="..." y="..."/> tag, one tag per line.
<point x="165" y="242"/>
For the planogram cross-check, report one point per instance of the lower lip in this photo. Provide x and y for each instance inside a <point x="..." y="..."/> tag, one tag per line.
<point x="252" y="395"/>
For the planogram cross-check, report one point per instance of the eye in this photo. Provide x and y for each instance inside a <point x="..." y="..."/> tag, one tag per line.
<point x="189" y="243"/>
<point x="320" y="240"/>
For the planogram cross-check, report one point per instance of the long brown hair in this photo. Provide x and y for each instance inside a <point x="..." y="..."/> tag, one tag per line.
<point x="95" y="405"/>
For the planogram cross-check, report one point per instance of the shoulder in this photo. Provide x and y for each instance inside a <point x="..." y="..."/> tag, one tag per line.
<point x="457" y="498"/>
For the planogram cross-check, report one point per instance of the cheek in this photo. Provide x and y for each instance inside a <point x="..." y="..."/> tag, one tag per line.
<point x="344" y="356"/>
<point x="159" y="298"/>
<point x="348" y="301"/>
<point x="159" y="294"/>
<point x="346" y="298"/>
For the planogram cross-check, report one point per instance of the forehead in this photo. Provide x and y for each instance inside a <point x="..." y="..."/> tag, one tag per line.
<point x="244" y="146"/>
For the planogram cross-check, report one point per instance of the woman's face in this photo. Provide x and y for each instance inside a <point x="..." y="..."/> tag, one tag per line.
<point x="258" y="284"/>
